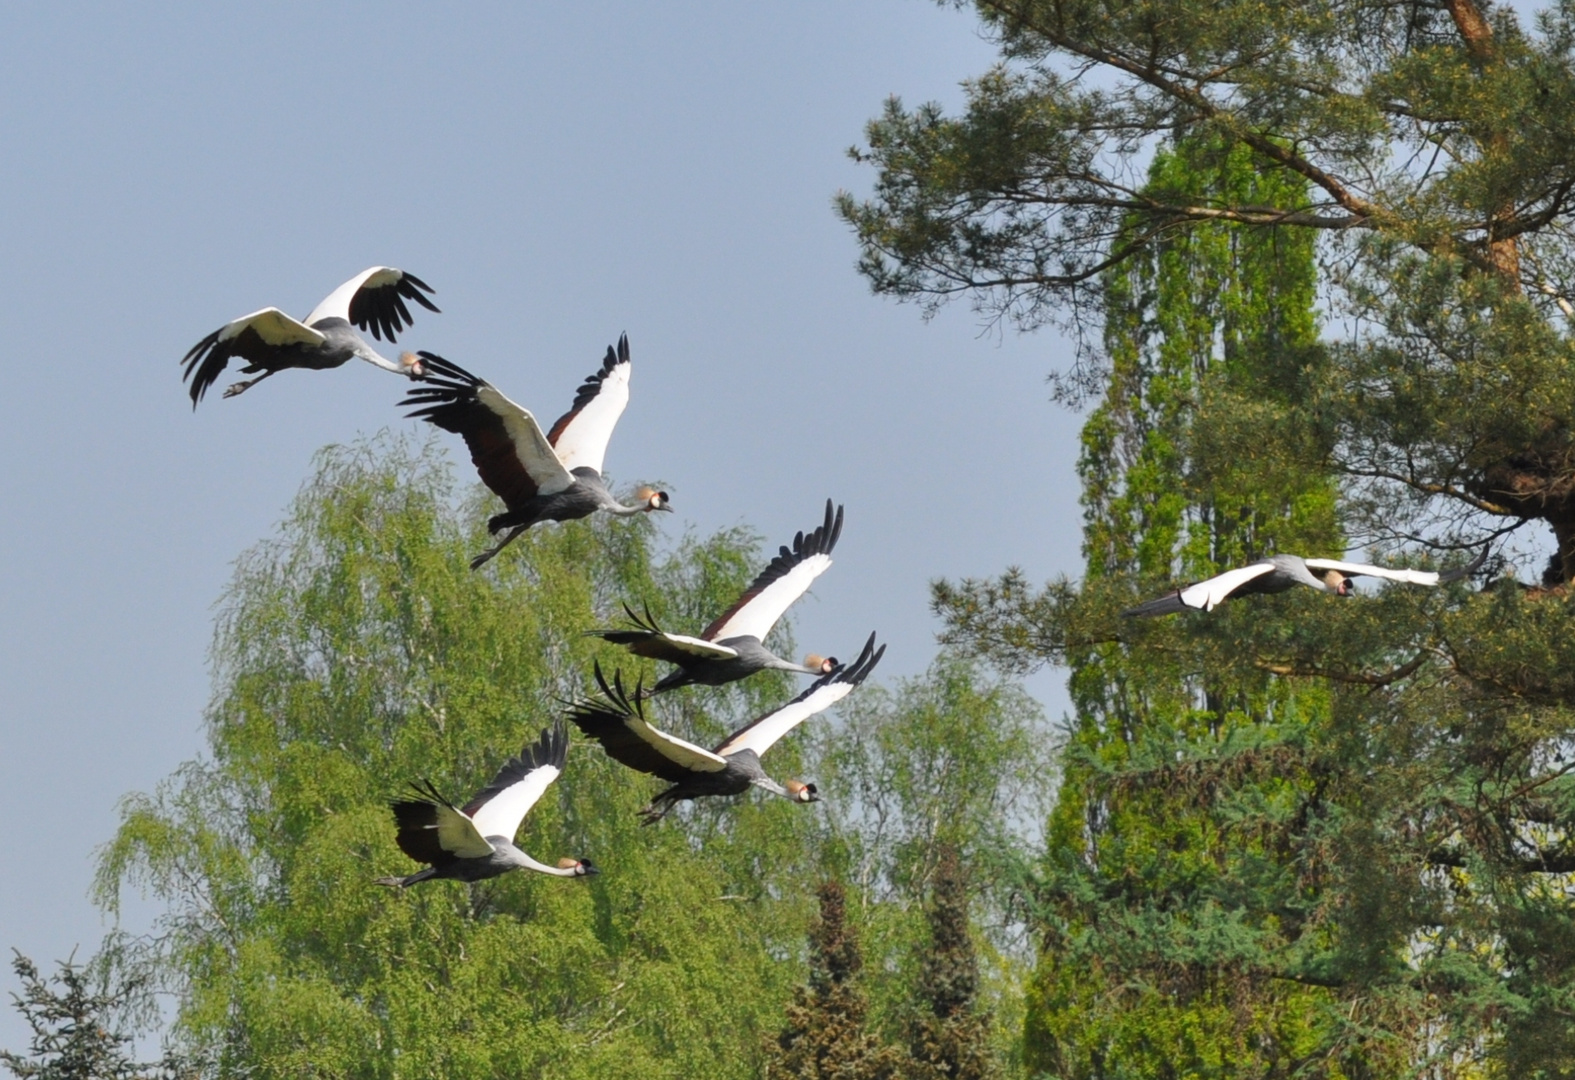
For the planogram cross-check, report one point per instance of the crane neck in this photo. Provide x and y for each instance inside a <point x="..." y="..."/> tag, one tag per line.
<point x="768" y="784"/>
<point x="542" y="868"/>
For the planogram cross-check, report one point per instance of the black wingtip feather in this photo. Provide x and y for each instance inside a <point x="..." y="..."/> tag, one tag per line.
<point x="1160" y="605"/>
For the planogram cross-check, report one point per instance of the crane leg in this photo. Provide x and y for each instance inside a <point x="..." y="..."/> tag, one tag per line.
<point x="486" y="556"/>
<point x="236" y="388"/>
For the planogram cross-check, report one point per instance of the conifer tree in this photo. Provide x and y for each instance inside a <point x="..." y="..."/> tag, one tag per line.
<point x="76" y="1032"/>
<point x="1322" y="838"/>
<point x="825" y="1037"/>
<point x="1206" y="315"/>
<point x="950" y="1040"/>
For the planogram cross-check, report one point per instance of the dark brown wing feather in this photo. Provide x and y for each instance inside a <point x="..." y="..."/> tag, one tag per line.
<point x="603" y="720"/>
<point x="210" y="356"/>
<point x="417" y="821"/>
<point x="447" y="398"/>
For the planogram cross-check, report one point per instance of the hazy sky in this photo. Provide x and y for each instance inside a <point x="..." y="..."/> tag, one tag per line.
<point x="560" y="174"/>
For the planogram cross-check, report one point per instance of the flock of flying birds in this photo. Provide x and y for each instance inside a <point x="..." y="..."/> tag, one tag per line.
<point x="556" y="475"/>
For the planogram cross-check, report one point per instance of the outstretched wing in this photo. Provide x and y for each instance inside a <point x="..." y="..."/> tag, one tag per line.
<point x="499" y="808"/>
<point x="432" y="831"/>
<point x="783" y="581"/>
<point x="763" y="732"/>
<point x="1205" y="595"/>
<point x="648" y="639"/>
<point x="617" y="721"/>
<point x="257" y="338"/>
<point x="506" y="444"/>
<point x="375" y="300"/>
<point x="580" y="436"/>
<point x="1411" y="577"/>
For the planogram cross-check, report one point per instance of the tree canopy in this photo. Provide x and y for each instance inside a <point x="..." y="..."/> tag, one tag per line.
<point x="1296" y="836"/>
<point x="355" y="652"/>
<point x="1426" y="147"/>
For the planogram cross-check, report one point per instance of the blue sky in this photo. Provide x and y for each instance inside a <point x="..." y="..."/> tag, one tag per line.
<point x="560" y="174"/>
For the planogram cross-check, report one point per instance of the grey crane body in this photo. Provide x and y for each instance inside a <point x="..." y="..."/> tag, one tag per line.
<point x="583" y="498"/>
<point x="1289" y="571"/>
<point x="743" y="770"/>
<point x="1279" y="573"/>
<point x="552" y="475"/>
<point x="617" y="721"/>
<point x="731" y="647"/>
<point x="719" y="671"/>
<point x="505" y="857"/>
<point x="269" y="341"/>
<point x="476" y="843"/>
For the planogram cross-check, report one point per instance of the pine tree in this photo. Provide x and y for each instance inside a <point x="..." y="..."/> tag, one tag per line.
<point x="75" y="1031"/>
<point x="1320" y="838"/>
<point x="825" y="1037"/>
<point x="951" y="1040"/>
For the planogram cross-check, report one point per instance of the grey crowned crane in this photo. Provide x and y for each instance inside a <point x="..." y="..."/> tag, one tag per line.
<point x="555" y="476"/>
<point x="730" y="648"/>
<point x="617" y="721"/>
<point x="270" y="341"/>
<point x="1282" y="572"/>
<point x="477" y="842"/>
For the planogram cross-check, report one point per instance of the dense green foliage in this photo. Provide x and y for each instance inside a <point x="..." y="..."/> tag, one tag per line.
<point x="356" y="652"/>
<point x="949" y="1038"/>
<point x="1297" y="836"/>
<point x="826" y="1036"/>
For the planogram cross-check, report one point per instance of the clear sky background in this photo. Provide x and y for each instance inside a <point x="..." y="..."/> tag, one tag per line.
<point x="559" y="173"/>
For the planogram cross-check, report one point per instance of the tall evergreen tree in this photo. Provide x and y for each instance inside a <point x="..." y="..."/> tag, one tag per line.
<point x="825" y="1037"/>
<point x="1337" y="833"/>
<point x="77" y="1031"/>
<point x="1203" y="316"/>
<point x="950" y="1040"/>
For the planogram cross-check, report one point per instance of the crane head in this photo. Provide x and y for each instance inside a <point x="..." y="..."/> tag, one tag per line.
<point x="581" y="867"/>
<point x="653" y="499"/>
<point x="823" y="664"/>
<point x="412" y="365"/>
<point x="1337" y="582"/>
<point x="802" y="792"/>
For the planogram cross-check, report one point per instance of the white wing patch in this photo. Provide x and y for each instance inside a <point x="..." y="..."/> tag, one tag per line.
<point x="671" y="747"/>
<point x="502" y="814"/>
<point x="583" y="442"/>
<point x="1412" y="577"/>
<point x="459" y="835"/>
<point x="694" y="646"/>
<point x="756" y="618"/>
<point x="761" y="735"/>
<point x="1209" y="594"/>
<point x="530" y="445"/>
<point x="336" y="305"/>
<point x="274" y="327"/>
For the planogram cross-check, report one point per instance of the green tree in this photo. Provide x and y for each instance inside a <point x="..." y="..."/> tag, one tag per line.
<point x="77" y="1028"/>
<point x="1337" y="833"/>
<point x="950" y="1040"/>
<point x="356" y="652"/>
<point x="825" y="1036"/>
<point x="952" y="760"/>
<point x="1202" y="316"/>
